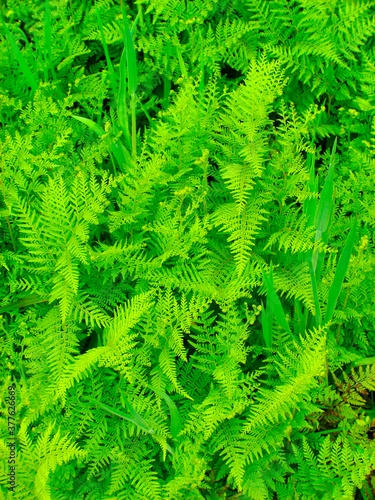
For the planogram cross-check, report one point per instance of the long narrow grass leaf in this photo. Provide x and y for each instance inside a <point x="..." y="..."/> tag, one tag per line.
<point x="182" y="64"/>
<point x="201" y="83"/>
<point x="175" y="416"/>
<point x="276" y="303"/>
<point x="267" y="316"/>
<point x="356" y="363"/>
<point x="137" y="419"/>
<point x="169" y="449"/>
<point x="112" y="73"/>
<point x="25" y="302"/>
<point x="136" y="22"/>
<point x="167" y="90"/>
<point x="310" y="205"/>
<point x="21" y="61"/>
<point x="267" y="325"/>
<point x="342" y="267"/>
<point x="324" y="207"/>
<point x="121" y="154"/>
<point x="47" y="39"/>
<point x="131" y="58"/>
<point x="94" y="126"/>
<point x="324" y="211"/>
<point x="315" y="294"/>
<point x="121" y="103"/>
<point x="299" y="319"/>
<point x="151" y="121"/>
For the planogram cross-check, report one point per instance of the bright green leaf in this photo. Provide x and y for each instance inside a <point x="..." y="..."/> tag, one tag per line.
<point x="137" y="419"/>
<point x="342" y="267"/>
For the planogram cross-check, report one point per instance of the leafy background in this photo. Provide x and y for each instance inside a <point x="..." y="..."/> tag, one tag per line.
<point x="140" y="283"/>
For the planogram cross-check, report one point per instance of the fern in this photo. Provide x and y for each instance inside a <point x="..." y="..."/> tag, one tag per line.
<point x="132" y="306"/>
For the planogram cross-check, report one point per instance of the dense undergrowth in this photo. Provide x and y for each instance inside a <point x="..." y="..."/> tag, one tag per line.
<point x="187" y="249"/>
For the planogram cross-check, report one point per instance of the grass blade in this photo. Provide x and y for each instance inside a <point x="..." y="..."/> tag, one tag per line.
<point x="322" y="216"/>
<point x="27" y="301"/>
<point x="315" y="293"/>
<point x="166" y="80"/>
<point x="167" y="91"/>
<point x="94" y="126"/>
<point x="267" y="325"/>
<point x="175" y="416"/>
<point x="47" y="40"/>
<point x="201" y="83"/>
<point x="112" y="73"/>
<point x="325" y="206"/>
<point x="276" y="304"/>
<point x="131" y="58"/>
<point x="182" y="65"/>
<point x="120" y="153"/>
<point x="21" y="61"/>
<point x="299" y="319"/>
<point x="128" y="68"/>
<point x="132" y="79"/>
<point x="153" y="126"/>
<point x="267" y="316"/>
<point x="137" y="419"/>
<point x="136" y="21"/>
<point x="342" y="267"/>
<point x="357" y="362"/>
<point x="121" y="101"/>
<point x="309" y="206"/>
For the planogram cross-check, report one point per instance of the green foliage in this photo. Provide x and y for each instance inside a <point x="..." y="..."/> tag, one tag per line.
<point x="187" y="249"/>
